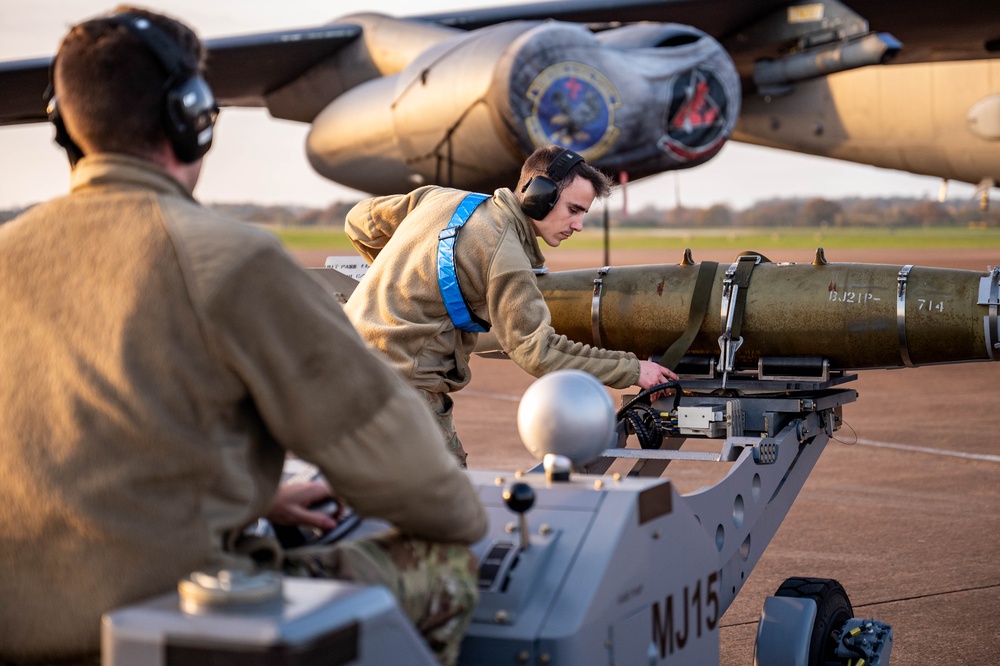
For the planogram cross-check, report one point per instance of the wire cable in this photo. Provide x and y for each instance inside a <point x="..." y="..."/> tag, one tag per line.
<point x="644" y="421"/>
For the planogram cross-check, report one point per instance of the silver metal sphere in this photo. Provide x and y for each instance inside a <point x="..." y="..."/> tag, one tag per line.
<point x="567" y="413"/>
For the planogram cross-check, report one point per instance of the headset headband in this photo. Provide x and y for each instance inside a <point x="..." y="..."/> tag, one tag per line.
<point x="562" y="163"/>
<point x="166" y="49"/>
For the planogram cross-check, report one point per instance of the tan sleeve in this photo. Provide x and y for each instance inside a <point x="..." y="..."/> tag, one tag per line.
<point x="544" y="351"/>
<point x="372" y="222"/>
<point x="322" y="394"/>
<point x="522" y="325"/>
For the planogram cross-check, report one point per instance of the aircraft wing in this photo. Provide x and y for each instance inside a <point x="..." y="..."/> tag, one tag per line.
<point x="930" y="31"/>
<point x="23" y="83"/>
<point x="241" y="69"/>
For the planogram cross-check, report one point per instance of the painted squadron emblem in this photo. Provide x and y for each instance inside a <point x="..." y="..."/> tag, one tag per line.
<point x="697" y="118"/>
<point x="573" y="105"/>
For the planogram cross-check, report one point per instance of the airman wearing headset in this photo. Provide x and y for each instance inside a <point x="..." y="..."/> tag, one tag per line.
<point x="431" y="290"/>
<point x="159" y="361"/>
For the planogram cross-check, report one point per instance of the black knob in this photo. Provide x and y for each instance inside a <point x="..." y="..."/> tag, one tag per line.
<point x="519" y="497"/>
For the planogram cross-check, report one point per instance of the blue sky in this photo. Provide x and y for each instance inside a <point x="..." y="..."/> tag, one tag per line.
<point x="261" y="159"/>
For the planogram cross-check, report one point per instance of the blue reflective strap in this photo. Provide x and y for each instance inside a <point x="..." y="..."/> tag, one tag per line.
<point x="459" y="311"/>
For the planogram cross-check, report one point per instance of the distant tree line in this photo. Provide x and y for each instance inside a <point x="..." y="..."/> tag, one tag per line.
<point x="810" y="213"/>
<point x="818" y="212"/>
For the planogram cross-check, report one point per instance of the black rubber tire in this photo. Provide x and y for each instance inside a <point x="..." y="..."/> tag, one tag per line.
<point x="833" y="609"/>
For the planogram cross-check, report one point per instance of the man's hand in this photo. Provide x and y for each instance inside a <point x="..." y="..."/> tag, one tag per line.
<point x="651" y="374"/>
<point x="291" y="506"/>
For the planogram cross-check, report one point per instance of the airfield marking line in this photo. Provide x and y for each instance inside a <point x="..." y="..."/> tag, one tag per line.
<point x="492" y="396"/>
<point x="923" y="449"/>
<point x="917" y="597"/>
<point x="929" y="595"/>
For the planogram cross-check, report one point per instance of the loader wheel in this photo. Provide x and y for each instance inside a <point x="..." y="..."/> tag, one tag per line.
<point x="833" y="609"/>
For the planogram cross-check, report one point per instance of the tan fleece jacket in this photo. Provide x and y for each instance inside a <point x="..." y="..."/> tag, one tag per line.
<point x="398" y="307"/>
<point x="157" y="362"/>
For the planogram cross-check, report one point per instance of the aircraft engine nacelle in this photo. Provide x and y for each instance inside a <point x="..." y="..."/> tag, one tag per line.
<point x="466" y="112"/>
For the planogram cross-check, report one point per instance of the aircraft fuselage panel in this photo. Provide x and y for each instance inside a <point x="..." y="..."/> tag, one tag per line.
<point x="939" y="119"/>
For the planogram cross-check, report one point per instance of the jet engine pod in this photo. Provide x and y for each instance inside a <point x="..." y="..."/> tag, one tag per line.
<point x="433" y="126"/>
<point x="642" y="99"/>
<point x="468" y="110"/>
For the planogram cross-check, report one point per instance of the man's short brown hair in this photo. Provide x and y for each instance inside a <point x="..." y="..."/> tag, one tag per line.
<point x="110" y="87"/>
<point x="538" y="164"/>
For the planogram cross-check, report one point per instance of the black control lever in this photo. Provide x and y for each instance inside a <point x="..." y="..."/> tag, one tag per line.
<point x="519" y="498"/>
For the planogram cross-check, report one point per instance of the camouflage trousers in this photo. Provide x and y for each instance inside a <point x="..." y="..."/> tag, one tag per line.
<point x="442" y="407"/>
<point x="434" y="583"/>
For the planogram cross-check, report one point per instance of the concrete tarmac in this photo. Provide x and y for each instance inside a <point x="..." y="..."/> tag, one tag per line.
<point x="903" y="509"/>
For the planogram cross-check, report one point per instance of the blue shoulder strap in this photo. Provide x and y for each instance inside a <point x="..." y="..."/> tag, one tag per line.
<point x="462" y="316"/>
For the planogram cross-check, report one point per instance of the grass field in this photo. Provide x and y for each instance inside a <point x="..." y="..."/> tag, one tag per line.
<point x="953" y="238"/>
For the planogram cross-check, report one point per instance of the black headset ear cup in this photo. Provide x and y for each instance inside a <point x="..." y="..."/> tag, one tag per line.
<point x="190" y="113"/>
<point x="540" y="196"/>
<point x="62" y="137"/>
<point x="542" y="192"/>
